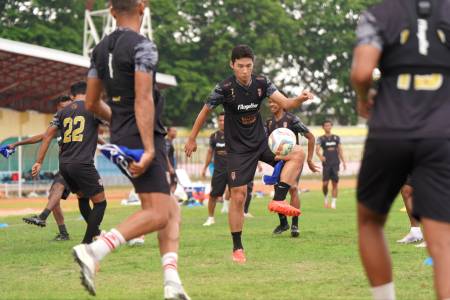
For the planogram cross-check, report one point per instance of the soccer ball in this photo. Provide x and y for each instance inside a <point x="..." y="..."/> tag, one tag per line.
<point x="281" y="141"/>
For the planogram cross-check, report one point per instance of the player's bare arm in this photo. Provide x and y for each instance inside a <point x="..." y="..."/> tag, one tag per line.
<point x="208" y="160"/>
<point x="365" y="60"/>
<point x="341" y="156"/>
<point x="32" y="140"/>
<point x="144" y="108"/>
<point x="309" y="158"/>
<point x="47" y="139"/>
<point x="290" y="103"/>
<point x="319" y="155"/>
<point x="93" y="101"/>
<point x="191" y="144"/>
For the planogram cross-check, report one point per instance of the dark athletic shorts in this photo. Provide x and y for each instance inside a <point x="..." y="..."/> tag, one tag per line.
<point x="330" y="172"/>
<point x="388" y="162"/>
<point x="154" y="180"/>
<point x="59" y="179"/>
<point x="82" y="178"/>
<point x="241" y="167"/>
<point x="219" y="182"/>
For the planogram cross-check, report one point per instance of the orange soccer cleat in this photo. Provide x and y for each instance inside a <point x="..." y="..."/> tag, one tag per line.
<point x="239" y="256"/>
<point x="282" y="207"/>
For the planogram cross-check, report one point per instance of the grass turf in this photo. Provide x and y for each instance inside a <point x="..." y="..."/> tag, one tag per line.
<point x="322" y="264"/>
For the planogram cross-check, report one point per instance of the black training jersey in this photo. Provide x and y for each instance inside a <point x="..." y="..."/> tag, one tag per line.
<point x="413" y="99"/>
<point x="78" y="128"/>
<point x="170" y="150"/>
<point x="330" y="145"/>
<point x="244" y="128"/>
<point x="289" y="121"/>
<point x="115" y="60"/>
<point x="217" y="143"/>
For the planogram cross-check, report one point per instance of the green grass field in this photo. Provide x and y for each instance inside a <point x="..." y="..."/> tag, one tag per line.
<point x="322" y="264"/>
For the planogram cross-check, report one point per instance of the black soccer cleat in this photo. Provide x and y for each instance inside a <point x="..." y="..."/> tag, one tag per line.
<point x="35" y="220"/>
<point x="295" y="231"/>
<point x="62" y="237"/>
<point x="280" y="229"/>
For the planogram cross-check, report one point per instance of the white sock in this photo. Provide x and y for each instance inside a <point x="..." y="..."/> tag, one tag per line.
<point x="416" y="231"/>
<point x="226" y="203"/>
<point x="170" y="267"/>
<point x="384" y="292"/>
<point x="106" y="244"/>
<point x="211" y="219"/>
<point x="326" y="199"/>
<point x="333" y="201"/>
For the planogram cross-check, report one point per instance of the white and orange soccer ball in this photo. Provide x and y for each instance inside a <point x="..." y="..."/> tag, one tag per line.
<point x="281" y="141"/>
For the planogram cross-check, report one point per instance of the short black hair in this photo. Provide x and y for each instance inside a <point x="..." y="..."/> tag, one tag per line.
<point x="327" y="121"/>
<point x="242" y="51"/>
<point x="222" y="113"/>
<point x="61" y="99"/>
<point x="78" y="88"/>
<point x="124" y="5"/>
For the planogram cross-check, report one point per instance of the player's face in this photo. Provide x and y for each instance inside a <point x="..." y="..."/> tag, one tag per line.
<point x="327" y="127"/>
<point x="243" y="69"/>
<point x="221" y="121"/>
<point x="274" y="108"/>
<point x="61" y="105"/>
<point x="172" y="133"/>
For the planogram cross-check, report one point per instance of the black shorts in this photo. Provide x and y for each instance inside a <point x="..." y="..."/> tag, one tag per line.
<point x="330" y="172"/>
<point x="154" y="180"/>
<point x="388" y="162"/>
<point x="219" y="182"/>
<point x="241" y="168"/>
<point x="82" y="178"/>
<point x="59" y="179"/>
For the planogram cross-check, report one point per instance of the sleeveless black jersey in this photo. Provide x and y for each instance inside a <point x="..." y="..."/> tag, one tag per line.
<point x="329" y="145"/>
<point x="244" y="128"/>
<point x="217" y="143"/>
<point x="413" y="99"/>
<point x="289" y="121"/>
<point x="115" y="60"/>
<point x="78" y="128"/>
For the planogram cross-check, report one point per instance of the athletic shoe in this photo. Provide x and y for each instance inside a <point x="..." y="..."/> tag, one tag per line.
<point x="210" y="221"/>
<point x="326" y="205"/>
<point x="422" y="245"/>
<point x="137" y="241"/>
<point x="410" y="238"/>
<point x="333" y="205"/>
<point x="239" y="256"/>
<point x="62" y="237"/>
<point x="248" y="215"/>
<point x="174" y="291"/>
<point x="35" y="220"/>
<point x="83" y="256"/>
<point x="280" y="229"/>
<point x="295" y="231"/>
<point x="282" y="207"/>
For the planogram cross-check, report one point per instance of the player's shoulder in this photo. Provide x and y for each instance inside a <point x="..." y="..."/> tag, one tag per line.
<point x="261" y="79"/>
<point x="336" y="137"/>
<point x="291" y="117"/>
<point x="227" y="83"/>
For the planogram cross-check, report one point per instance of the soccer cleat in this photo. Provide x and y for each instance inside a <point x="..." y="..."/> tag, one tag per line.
<point x="62" y="237"/>
<point x="295" y="231"/>
<point x="248" y="215"/>
<point x="174" y="291"/>
<point x="282" y="207"/>
<point x="139" y="241"/>
<point x="35" y="220"/>
<point x="210" y="221"/>
<point x="280" y="229"/>
<point x="326" y="205"/>
<point x="84" y="258"/>
<point x="239" y="256"/>
<point x="421" y="245"/>
<point x="410" y="238"/>
<point x="333" y="205"/>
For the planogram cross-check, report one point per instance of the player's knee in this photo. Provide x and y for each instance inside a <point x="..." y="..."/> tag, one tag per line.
<point x="293" y="189"/>
<point x="238" y="194"/>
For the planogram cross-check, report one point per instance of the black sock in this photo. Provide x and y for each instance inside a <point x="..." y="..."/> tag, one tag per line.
<point x="62" y="229"/>
<point x="95" y="219"/>
<point x="295" y="221"/>
<point x="237" y="242"/>
<point x="281" y="191"/>
<point x="44" y="214"/>
<point x="85" y="208"/>
<point x="283" y="220"/>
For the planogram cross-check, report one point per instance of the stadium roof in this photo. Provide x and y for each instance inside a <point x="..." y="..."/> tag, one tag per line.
<point x="31" y="76"/>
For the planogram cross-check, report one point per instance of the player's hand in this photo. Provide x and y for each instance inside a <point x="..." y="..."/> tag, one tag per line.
<point x="345" y="166"/>
<point x="305" y="96"/>
<point x="171" y="170"/>
<point x="139" y="168"/>
<point x="323" y="159"/>
<point x="313" y="167"/>
<point x="364" y="106"/>
<point x="36" y="169"/>
<point x="204" y="173"/>
<point x="190" y="147"/>
<point x="11" y="146"/>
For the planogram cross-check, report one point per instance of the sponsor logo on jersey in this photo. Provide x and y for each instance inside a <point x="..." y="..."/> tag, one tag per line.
<point x="259" y="92"/>
<point x="247" y="106"/>
<point x="220" y="145"/>
<point x="330" y="143"/>
<point x="233" y="176"/>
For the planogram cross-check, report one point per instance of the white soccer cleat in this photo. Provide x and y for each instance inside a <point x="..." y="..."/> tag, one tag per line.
<point x="333" y="205"/>
<point x="422" y="245"/>
<point x="139" y="241"/>
<point x="210" y="221"/>
<point x="83" y="256"/>
<point x="174" y="291"/>
<point x="248" y="215"/>
<point x="410" y="238"/>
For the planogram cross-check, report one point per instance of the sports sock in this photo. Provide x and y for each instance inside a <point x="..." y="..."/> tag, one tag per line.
<point x="295" y="221"/>
<point x="384" y="292"/>
<point x="333" y="201"/>
<point x="62" y="229"/>
<point x="106" y="243"/>
<point x="283" y="220"/>
<point x="325" y="199"/>
<point x="85" y="208"/>
<point x="237" y="242"/>
<point x="44" y="214"/>
<point x="170" y="267"/>
<point x="416" y="231"/>
<point x="226" y="203"/>
<point x="281" y="191"/>
<point x="94" y="221"/>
